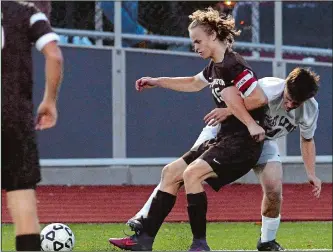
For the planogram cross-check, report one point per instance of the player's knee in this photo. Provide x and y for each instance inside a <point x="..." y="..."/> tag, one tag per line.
<point x="191" y="174"/>
<point x="169" y="174"/>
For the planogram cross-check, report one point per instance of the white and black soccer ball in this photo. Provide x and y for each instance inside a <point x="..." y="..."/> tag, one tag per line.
<point x="57" y="237"/>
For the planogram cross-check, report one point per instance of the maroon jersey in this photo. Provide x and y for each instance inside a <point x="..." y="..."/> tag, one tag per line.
<point x="22" y="26"/>
<point x="232" y="71"/>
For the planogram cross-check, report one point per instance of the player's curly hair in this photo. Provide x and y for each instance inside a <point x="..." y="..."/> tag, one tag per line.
<point x="212" y="20"/>
<point x="302" y="84"/>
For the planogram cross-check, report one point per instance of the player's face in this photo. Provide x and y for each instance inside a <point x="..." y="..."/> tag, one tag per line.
<point x="288" y="102"/>
<point x="202" y="42"/>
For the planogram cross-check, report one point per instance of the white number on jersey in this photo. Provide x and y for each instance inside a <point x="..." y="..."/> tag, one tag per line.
<point x="2" y="38"/>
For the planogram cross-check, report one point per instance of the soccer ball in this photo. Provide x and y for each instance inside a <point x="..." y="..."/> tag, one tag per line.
<point x="57" y="237"/>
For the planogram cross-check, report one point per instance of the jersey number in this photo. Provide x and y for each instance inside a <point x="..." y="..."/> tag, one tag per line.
<point x="217" y="94"/>
<point x="2" y="38"/>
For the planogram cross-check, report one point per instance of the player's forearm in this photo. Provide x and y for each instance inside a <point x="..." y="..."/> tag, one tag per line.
<point x="256" y="99"/>
<point x="182" y="84"/>
<point x="236" y="105"/>
<point x="308" y="150"/>
<point x="53" y="75"/>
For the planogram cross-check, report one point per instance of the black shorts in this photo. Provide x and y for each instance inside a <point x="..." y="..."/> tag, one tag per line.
<point x="20" y="161"/>
<point x="231" y="156"/>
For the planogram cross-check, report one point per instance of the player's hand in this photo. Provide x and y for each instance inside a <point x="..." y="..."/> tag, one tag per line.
<point x="145" y="82"/>
<point x="257" y="132"/>
<point x="216" y="116"/>
<point x="316" y="184"/>
<point x="46" y="115"/>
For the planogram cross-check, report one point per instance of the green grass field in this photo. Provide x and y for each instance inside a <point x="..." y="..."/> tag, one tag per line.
<point x="221" y="236"/>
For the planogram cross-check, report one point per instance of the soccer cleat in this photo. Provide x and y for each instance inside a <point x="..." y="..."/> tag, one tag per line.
<point x="199" y="245"/>
<point x="269" y="246"/>
<point x="135" y="242"/>
<point x="136" y="224"/>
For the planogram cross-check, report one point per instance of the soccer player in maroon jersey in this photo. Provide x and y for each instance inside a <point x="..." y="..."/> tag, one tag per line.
<point x="231" y="154"/>
<point x="22" y="26"/>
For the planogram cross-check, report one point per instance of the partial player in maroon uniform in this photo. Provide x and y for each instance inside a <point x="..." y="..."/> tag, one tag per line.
<point x="22" y="26"/>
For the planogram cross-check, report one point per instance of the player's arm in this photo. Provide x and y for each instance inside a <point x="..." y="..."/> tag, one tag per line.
<point x="308" y="150"/>
<point x="45" y="40"/>
<point x="243" y="82"/>
<point x="53" y="70"/>
<point x="42" y="36"/>
<point x="255" y="99"/>
<point x="307" y="144"/>
<point x="236" y="105"/>
<point x="181" y="84"/>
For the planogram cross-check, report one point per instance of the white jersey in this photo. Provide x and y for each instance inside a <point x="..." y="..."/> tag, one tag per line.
<point x="278" y="121"/>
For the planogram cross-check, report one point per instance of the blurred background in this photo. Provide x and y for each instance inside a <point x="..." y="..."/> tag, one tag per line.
<point x="105" y="155"/>
<point x="107" y="129"/>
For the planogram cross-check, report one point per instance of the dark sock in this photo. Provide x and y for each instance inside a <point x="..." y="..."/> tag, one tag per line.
<point x="197" y="210"/>
<point x="161" y="206"/>
<point x="29" y="242"/>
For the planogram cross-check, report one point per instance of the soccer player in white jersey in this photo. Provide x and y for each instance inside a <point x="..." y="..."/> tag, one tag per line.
<point x="291" y="104"/>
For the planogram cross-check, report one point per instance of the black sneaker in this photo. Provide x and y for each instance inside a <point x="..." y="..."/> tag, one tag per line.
<point x="199" y="245"/>
<point x="136" y="224"/>
<point x="269" y="246"/>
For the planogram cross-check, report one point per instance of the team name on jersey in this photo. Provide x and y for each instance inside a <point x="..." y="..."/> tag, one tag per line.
<point x="278" y="126"/>
<point x="219" y="82"/>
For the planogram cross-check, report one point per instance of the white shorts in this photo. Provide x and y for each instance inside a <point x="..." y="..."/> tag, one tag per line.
<point x="270" y="152"/>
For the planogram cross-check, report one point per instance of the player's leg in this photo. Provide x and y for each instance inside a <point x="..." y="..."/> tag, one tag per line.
<point x="143" y="212"/>
<point x="207" y="133"/>
<point x="226" y="161"/>
<point x="22" y="207"/>
<point x="20" y="174"/>
<point x="161" y="205"/>
<point x="194" y="175"/>
<point x="269" y="172"/>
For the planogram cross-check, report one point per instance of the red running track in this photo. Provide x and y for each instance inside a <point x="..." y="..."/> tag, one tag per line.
<point x="236" y="202"/>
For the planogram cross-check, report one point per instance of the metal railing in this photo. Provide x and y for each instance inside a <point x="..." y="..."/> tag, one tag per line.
<point x="147" y="161"/>
<point x="110" y="36"/>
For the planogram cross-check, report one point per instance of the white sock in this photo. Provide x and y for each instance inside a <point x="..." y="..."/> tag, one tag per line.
<point x="269" y="228"/>
<point x="145" y="209"/>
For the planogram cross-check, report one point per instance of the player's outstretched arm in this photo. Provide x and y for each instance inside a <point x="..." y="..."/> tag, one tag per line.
<point x="181" y="84"/>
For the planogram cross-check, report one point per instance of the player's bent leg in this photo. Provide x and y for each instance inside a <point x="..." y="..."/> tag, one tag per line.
<point x="171" y="179"/>
<point x="22" y="206"/>
<point x="270" y="177"/>
<point x="161" y="205"/>
<point x="194" y="175"/>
